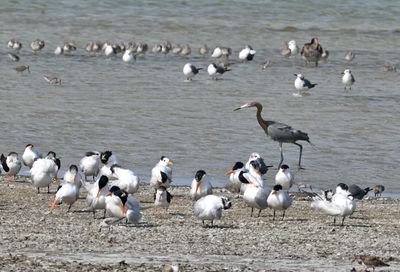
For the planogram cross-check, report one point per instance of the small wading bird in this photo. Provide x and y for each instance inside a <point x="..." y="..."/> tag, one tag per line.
<point x="22" y="68"/>
<point x="312" y="51"/>
<point x="348" y="79"/>
<point x="52" y="80"/>
<point x="279" y="132"/>
<point x="369" y="261"/>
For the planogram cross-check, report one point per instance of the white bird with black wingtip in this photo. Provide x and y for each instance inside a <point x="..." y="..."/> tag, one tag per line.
<point x="11" y="165"/>
<point x="161" y="174"/>
<point x="302" y="85"/>
<point x="215" y="71"/>
<point x="201" y="185"/>
<point x="162" y="198"/>
<point x="189" y="70"/>
<point x="247" y="53"/>
<point x="210" y="207"/>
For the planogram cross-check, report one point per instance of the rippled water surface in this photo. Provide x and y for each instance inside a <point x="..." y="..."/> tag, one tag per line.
<point x="146" y="110"/>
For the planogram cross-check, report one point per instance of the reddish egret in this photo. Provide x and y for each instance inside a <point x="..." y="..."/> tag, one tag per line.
<point x="279" y="132"/>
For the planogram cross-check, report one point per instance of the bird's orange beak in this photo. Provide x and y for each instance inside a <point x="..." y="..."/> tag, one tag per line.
<point x="98" y="192"/>
<point x="170" y="163"/>
<point x="229" y="172"/>
<point x="197" y="186"/>
<point x="109" y="193"/>
<point x="123" y="210"/>
<point x="53" y="204"/>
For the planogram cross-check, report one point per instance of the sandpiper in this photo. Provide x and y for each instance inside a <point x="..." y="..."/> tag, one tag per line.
<point x="52" y="80"/>
<point x="37" y="45"/>
<point x="22" y="68"/>
<point x="13" y="57"/>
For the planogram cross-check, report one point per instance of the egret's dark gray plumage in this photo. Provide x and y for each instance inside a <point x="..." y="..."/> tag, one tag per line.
<point x="279" y="132"/>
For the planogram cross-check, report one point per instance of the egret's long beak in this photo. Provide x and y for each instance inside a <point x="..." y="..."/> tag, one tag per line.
<point x="197" y="186"/>
<point x="229" y="172"/>
<point x="53" y="204"/>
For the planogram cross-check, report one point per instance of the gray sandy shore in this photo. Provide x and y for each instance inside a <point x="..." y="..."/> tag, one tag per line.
<point x="32" y="239"/>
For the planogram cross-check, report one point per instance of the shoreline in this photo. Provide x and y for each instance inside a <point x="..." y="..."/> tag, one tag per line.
<point x="305" y="241"/>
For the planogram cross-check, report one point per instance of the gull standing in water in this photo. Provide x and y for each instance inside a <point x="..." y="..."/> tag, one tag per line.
<point x="284" y="177"/>
<point x="302" y="85"/>
<point x="247" y="53"/>
<point x="210" y="207"/>
<point x="214" y="70"/>
<point x="201" y="186"/>
<point x="30" y="155"/>
<point x="90" y="164"/>
<point x="348" y="79"/>
<point x="279" y="199"/>
<point x="189" y="70"/>
<point x="11" y="165"/>
<point x="341" y="204"/>
<point x="279" y="132"/>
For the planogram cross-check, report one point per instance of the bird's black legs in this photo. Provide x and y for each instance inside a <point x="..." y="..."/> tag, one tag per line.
<point x="259" y="212"/>
<point x="301" y="151"/>
<point x="251" y="215"/>
<point x="274" y="216"/>
<point x="280" y="148"/>
<point x="283" y="216"/>
<point x="69" y="208"/>
<point x="343" y="221"/>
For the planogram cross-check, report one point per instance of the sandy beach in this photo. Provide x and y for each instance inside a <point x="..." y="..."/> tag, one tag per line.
<point x="32" y="239"/>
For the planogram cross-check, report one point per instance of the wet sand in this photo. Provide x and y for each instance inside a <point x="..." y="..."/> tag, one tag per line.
<point x="32" y="239"/>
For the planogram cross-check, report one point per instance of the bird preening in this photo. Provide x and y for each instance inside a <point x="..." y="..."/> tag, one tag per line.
<point x="278" y="132"/>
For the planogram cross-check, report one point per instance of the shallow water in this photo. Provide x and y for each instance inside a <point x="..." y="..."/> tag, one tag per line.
<point x="146" y="110"/>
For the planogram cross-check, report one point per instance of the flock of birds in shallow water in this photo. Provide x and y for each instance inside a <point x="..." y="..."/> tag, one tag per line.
<point x="311" y="52"/>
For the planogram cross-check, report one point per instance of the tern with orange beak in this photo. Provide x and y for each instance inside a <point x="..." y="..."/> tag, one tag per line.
<point x="233" y="185"/>
<point x="115" y="204"/>
<point x="201" y="185"/>
<point x="133" y="213"/>
<point x="279" y="199"/>
<point x="255" y="195"/>
<point x="161" y="174"/>
<point x="68" y="192"/>
<point x="96" y="193"/>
